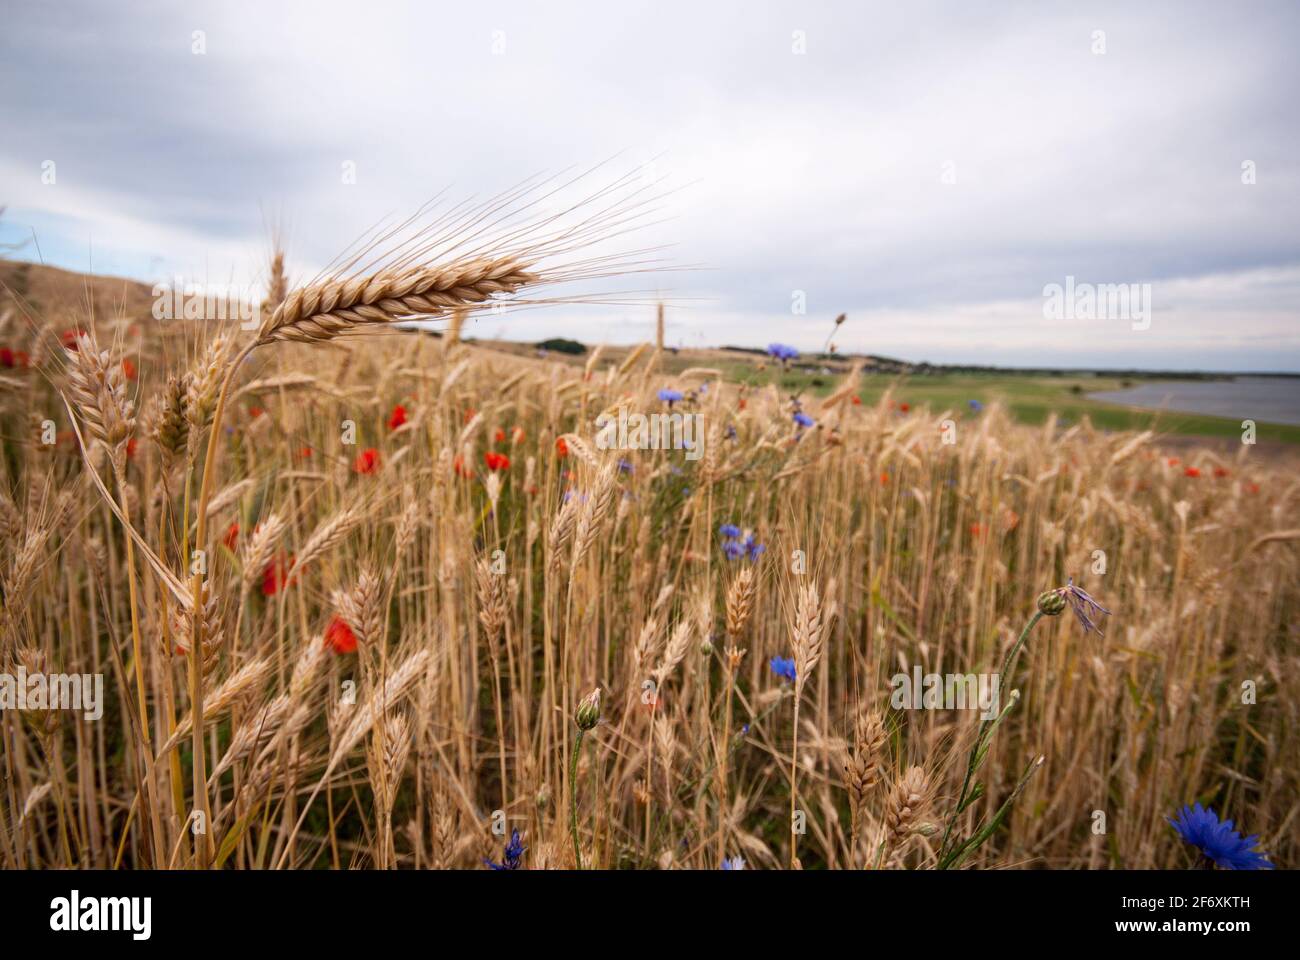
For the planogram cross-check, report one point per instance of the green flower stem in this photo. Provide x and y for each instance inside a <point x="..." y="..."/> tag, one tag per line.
<point x="955" y="858"/>
<point x="972" y="762"/>
<point x="573" y="797"/>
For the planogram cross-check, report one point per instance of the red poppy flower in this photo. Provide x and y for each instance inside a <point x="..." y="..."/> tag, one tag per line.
<point x="561" y="448"/>
<point x="1174" y="461"/>
<point x="397" y="417"/>
<point x="857" y="401"/>
<point x="131" y="445"/>
<point x="517" y="435"/>
<point x="339" y="636"/>
<point x="71" y="339"/>
<point x="273" y="577"/>
<point x="1252" y="488"/>
<point x="905" y="407"/>
<point x="469" y="414"/>
<point x="742" y="403"/>
<point x="884" y="479"/>
<point x="496" y="461"/>
<point x="1191" y="472"/>
<point x="1220" y="471"/>
<point x="232" y="536"/>
<point x="499" y="436"/>
<point x="128" y="369"/>
<point x="367" y="461"/>
<point x="458" y="465"/>
<point x="978" y="531"/>
<point x="14" y="358"/>
<point x="305" y="453"/>
<point x="255" y="412"/>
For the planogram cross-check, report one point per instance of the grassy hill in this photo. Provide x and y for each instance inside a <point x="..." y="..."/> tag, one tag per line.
<point x="65" y="298"/>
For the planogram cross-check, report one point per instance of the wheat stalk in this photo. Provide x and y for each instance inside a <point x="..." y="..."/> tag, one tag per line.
<point x="98" y="387"/>
<point x="806" y="628"/>
<point x="251" y="676"/>
<point x="905" y="808"/>
<point x="260" y="546"/>
<point x="362" y="608"/>
<point x="740" y="602"/>
<point x="323" y="311"/>
<point x="328" y="535"/>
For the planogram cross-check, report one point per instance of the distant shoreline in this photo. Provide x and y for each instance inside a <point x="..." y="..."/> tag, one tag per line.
<point x="1264" y="399"/>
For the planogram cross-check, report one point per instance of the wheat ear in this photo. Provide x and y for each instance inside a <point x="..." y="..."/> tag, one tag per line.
<point x="907" y="804"/>
<point x="323" y="311"/>
<point x="806" y="630"/>
<point x="382" y="699"/>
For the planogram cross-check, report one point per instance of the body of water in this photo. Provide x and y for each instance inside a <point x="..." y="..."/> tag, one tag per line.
<point x="1265" y="399"/>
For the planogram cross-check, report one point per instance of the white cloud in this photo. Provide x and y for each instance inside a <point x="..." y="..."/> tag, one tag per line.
<point x="821" y="173"/>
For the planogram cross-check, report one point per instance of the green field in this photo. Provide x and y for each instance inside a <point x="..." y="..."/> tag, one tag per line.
<point x="1030" y="398"/>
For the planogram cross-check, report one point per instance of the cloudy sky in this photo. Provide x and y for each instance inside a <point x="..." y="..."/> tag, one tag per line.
<point x="928" y="169"/>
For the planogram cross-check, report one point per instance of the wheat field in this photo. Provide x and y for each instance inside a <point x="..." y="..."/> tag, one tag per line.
<point x="363" y="597"/>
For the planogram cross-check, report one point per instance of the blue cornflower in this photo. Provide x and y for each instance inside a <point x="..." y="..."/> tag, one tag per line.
<point x="976" y="406"/>
<point x="1217" y="841"/>
<point x="803" y="419"/>
<point x="734" y="549"/>
<point x="730" y="433"/>
<point x="670" y="396"/>
<point x="733" y="863"/>
<point x="782" y="352"/>
<point x="753" y="547"/>
<point x="784" y="667"/>
<point x="729" y="530"/>
<point x="626" y="466"/>
<point x="1085" y="607"/>
<point x="512" y="858"/>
